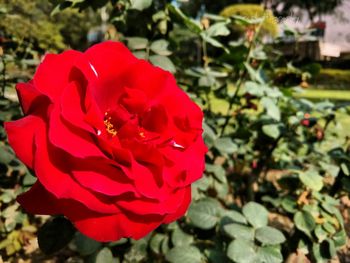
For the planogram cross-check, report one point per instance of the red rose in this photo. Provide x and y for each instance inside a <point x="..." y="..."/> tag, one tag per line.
<point x="115" y="144"/>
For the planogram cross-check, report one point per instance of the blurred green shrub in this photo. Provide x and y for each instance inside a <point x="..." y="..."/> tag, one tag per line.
<point x="252" y="11"/>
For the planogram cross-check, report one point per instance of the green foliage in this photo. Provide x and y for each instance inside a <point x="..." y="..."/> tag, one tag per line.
<point x="251" y="11"/>
<point x="277" y="170"/>
<point x="29" y="22"/>
<point x="55" y="234"/>
<point x="332" y="79"/>
<point x="18" y="22"/>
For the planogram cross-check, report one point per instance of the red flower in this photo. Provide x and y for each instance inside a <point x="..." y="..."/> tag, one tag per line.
<point x="115" y="144"/>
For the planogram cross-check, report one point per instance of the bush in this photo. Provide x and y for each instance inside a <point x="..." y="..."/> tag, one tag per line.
<point x="251" y="11"/>
<point x="277" y="170"/>
<point x="333" y="79"/>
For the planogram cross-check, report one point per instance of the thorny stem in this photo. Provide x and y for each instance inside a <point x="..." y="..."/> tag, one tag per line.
<point x="242" y="75"/>
<point x="205" y="54"/>
<point x="3" y="77"/>
<point x="205" y="65"/>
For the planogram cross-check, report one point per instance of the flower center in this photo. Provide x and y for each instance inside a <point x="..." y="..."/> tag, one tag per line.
<point x="109" y="126"/>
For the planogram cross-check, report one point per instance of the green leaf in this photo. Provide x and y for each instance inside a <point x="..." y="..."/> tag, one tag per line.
<point x="85" y="245"/>
<point x="346" y="184"/>
<point x="5" y="155"/>
<point x="191" y="24"/>
<point x="60" y="7"/>
<point x="329" y="228"/>
<point x="206" y="81"/>
<point x="160" y="47"/>
<point x="254" y="88"/>
<point x="239" y="231"/>
<point x="270" y="254"/>
<point x="242" y="20"/>
<point x="140" y="4"/>
<point x="255" y="75"/>
<point x="180" y="238"/>
<point x="205" y="213"/>
<point x="184" y="254"/>
<point x="218" y="29"/>
<point x="242" y="251"/>
<point x="320" y="233"/>
<point x="138" y="250"/>
<point x="226" y="145"/>
<point x="324" y="251"/>
<point x="312" y="180"/>
<point x="256" y="214"/>
<point x="216" y="17"/>
<point x="218" y="171"/>
<point x="271" y="130"/>
<point x="203" y="183"/>
<point x="209" y="135"/>
<point x="29" y="179"/>
<point x="140" y="54"/>
<point x="222" y="189"/>
<point x="104" y="256"/>
<point x="213" y="42"/>
<point x="340" y="238"/>
<point x="137" y="43"/>
<point x="259" y="54"/>
<point x="232" y="216"/>
<point x="271" y="108"/>
<point x="331" y="169"/>
<point x="156" y="242"/>
<point x="305" y="222"/>
<point x="276" y="202"/>
<point x="119" y="242"/>
<point x="163" y="62"/>
<point x="345" y="169"/>
<point x="6" y="197"/>
<point x="269" y="236"/>
<point x="331" y="248"/>
<point x="55" y="234"/>
<point x="165" y="245"/>
<point x="216" y="256"/>
<point x="289" y="204"/>
<point x="317" y="253"/>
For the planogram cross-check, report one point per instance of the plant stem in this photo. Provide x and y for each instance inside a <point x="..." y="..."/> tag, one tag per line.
<point x="3" y="77"/>
<point x="241" y="78"/>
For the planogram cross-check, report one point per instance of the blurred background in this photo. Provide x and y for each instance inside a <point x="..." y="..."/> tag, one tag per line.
<point x="29" y="29"/>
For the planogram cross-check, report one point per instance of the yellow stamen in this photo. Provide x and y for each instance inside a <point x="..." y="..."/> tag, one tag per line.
<point x="142" y="134"/>
<point x="110" y="127"/>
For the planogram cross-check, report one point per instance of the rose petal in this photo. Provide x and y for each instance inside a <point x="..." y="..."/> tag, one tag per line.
<point x="23" y="130"/>
<point x="191" y="161"/>
<point x="185" y="203"/>
<point x="151" y="80"/>
<point x="169" y="204"/>
<point x="58" y="181"/>
<point x="145" y="182"/>
<point x="39" y="201"/>
<point x="185" y="109"/>
<point x="100" y="227"/>
<point x="53" y="73"/>
<point x="103" y="178"/>
<point x="114" y="227"/>
<point x="134" y="100"/>
<point x="29" y="97"/>
<point x="74" y="141"/>
<point x="103" y="66"/>
<point x="156" y="119"/>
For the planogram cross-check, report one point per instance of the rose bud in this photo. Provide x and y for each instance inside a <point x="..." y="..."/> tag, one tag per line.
<point x="308" y="121"/>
